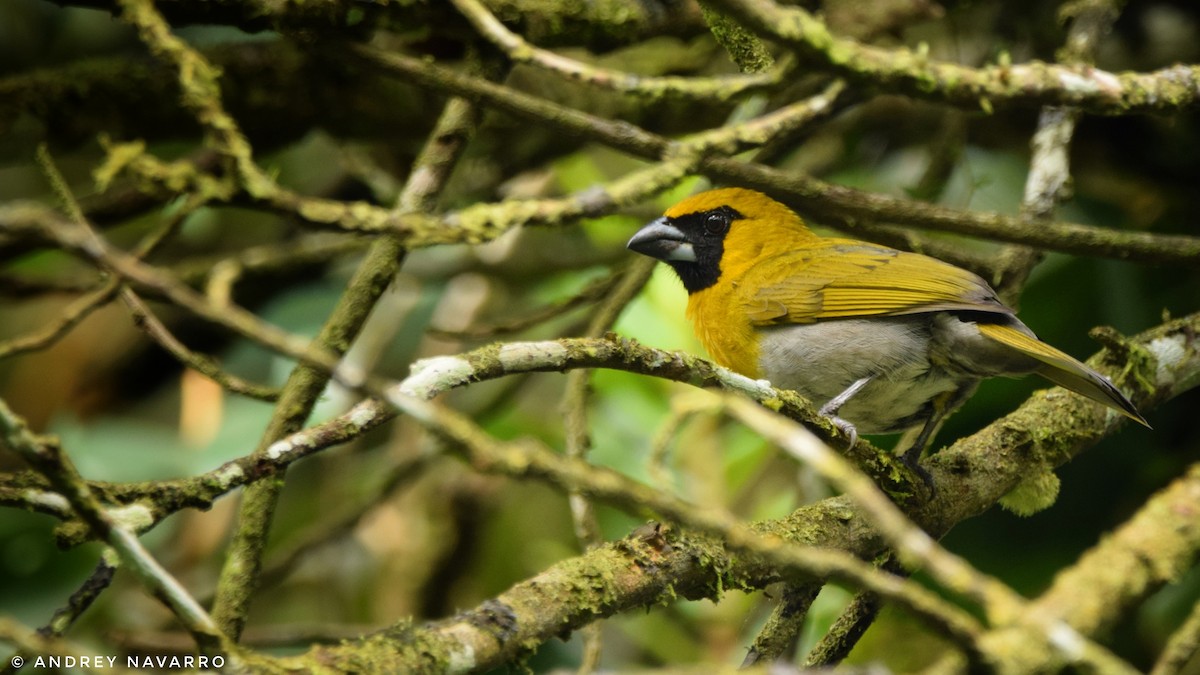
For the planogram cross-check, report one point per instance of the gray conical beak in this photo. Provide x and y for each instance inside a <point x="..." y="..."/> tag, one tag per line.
<point x="660" y="239"/>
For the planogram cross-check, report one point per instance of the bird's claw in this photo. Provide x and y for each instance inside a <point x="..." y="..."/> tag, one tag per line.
<point x="845" y="426"/>
<point x="833" y="405"/>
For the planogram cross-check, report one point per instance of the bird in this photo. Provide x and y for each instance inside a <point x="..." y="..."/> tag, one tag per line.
<point x="882" y="340"/>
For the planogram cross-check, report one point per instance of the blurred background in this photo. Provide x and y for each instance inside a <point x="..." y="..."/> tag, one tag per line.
<point x="385" y="527"/>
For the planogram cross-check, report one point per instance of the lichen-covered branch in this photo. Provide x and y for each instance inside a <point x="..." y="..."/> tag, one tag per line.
<point x="1163" y="363"/>
<point x="201" y="93"/>
<point x="1155" y="547"/>
<point x="1182" y="647"/>
<point x="1004" y="609"/>
<point x="809" y="194"/>
<point x="48" y="459"/>
<point x="971" y="475"/>
<point x="708" y="89"/>
<point x="432" y="377"/>
<point x="285" y="153"/>
<point x="239" y="576"/>
<point x="576" y="592"/>
<point x="605" y="23"/>
<point x="812" y="195"/>
<point x="916" y="74"/>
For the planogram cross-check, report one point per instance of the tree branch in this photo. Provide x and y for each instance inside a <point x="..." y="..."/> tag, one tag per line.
<point x="915" y="74"/>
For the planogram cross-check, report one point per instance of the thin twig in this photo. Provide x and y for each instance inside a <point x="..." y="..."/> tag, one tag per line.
<point x="851" y="624"/>
<point x="83" y="597"/>
<point x="1182" y="647"/>
<point x="593" y="292"/>
<point x="432" y="377"/>
<point x="81" y="308"/>
<point x="70" y="317"/>
<point x="778" y="638"/>
<point x="144" y="318"/>
<point x="578" y="439"/>
<point x="706" y="89"/>
<point x="49" y="459"/>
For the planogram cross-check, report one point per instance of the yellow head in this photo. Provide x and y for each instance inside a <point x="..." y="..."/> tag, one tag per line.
<point x="720" y="232"/>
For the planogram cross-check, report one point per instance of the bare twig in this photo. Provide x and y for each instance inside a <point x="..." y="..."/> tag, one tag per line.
<point x="205" y="365"/>
<point x="578" y="439"/>
<point x="81" y="308"/>
<point x="707" y="89"/>
<point x="83" y="597"/>
<point x="593" y="292"/>
<point x="70" y="317"/>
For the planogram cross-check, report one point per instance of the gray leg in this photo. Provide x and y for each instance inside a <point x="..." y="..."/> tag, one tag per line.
<point x="912" y="456"/>
<point x="830" y="409"/>
<point x="942" y="407"/>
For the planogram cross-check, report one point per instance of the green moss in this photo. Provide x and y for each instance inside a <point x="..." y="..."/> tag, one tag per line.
<point x="746" y="50"/>
<point x="1033" y="494"/>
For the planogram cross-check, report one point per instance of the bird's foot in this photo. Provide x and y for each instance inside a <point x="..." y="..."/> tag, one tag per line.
<point x="912" y="459"/>
<point x="831" y="408"/>
<point x="844" y="425"/>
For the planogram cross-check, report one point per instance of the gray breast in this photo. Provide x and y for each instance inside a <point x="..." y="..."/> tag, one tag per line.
<point x="820" y="360"/>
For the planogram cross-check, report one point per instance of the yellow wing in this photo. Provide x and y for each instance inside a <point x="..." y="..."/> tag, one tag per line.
<point x="843" y="279"/>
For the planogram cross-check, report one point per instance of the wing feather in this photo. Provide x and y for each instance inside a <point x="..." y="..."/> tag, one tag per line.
<point x="851" y="279"/>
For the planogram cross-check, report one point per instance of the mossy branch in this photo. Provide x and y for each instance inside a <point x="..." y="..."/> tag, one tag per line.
<point x="914" y="73"/>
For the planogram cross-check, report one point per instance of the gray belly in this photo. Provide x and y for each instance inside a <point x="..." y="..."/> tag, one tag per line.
<point x="912" y="359"/>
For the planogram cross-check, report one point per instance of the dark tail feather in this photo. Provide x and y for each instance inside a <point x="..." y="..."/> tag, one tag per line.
<point x="1065" y="371"/>
<point x="1094" y="386"/>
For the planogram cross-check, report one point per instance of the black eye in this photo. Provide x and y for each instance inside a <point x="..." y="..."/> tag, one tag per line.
<point x="716" y="223"/>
